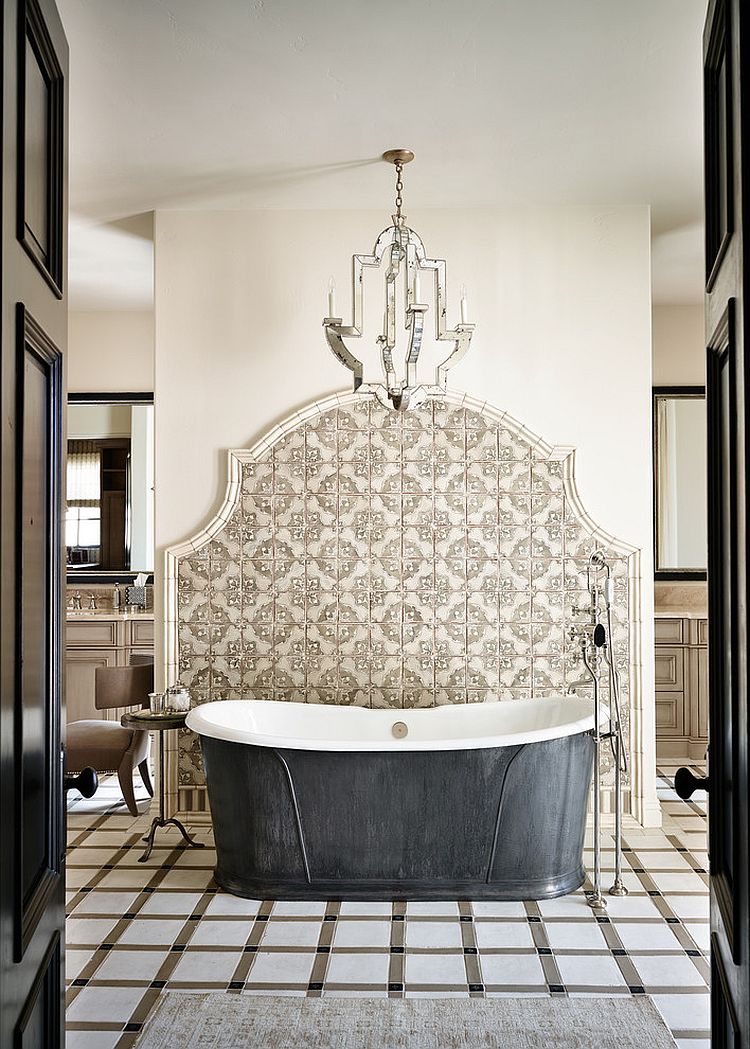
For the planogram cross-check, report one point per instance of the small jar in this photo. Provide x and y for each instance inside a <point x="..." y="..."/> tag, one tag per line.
<point x="178" y="699"/>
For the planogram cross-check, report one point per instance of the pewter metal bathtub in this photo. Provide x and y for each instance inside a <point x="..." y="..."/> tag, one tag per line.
<point x="485" y="801"/>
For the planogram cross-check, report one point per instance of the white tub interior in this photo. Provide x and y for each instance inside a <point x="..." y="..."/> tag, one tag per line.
<point x="314" y="726"/>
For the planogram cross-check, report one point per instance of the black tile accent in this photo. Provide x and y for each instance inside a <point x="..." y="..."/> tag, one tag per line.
<point x="79" y="983"/>
<point x="129" y="915"/>
<point x="86" y="888"/>
<point x="672" y="921"/>
<point x="177" y="948"/>
<point x="476" y="986"/>
<point x="108" y="866"/>
<point x="700" y="870"/>
<point x="323" y="950"/>
<point x="654" y="892"/>
<point x="534" y="919"/>
<point x="556" y="988"/>
<point x="693" y="954"/>
<point x="195" y="917"/>
<point x="236" y="985"/>
<point x="636" y="988"/>
<point x="397" y="950"/>
<point x="466" y="918"/>
<point x="329" y="918"/>
<point x="543" y="950"/>
<point x="395" y="987"/>
<point x="602" y="919"/>
<point x="149" y="889"/>
<point x="106" y="946"/>
<point x="638" y="870"/>
<point x="132" y="1027"/>
<point x="315" y="986"/>
<point x="397" y="917"/>
<point x="248" y="949"/>
<point x="470" y="950"/>
<point x="619" y="952"/>
<point x="262" y="918"/>
<point x="158" y="984"/>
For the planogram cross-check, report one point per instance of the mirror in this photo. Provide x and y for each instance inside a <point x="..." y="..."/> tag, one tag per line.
<point x="109" y="513"/>
<point x="680" y="513"/>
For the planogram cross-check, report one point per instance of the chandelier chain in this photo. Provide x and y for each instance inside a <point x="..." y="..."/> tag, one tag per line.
<point x="399" y="191"/>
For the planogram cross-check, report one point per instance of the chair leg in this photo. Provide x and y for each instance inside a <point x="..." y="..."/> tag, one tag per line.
<point x="125" y="776"/>
<point x="146" y="776"/>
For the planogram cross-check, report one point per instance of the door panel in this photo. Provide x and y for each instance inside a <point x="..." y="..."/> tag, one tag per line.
<point x="725" y="56"/>
<point x="33" y="333"/>
<point x="37" y="714"/>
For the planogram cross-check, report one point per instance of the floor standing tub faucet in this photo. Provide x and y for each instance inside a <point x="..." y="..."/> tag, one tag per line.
<point x="597" y="654"/>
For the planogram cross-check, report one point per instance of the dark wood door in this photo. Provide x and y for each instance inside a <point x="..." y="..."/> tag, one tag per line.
<point x="33" y="327"/>
<point x="726" y="106"/>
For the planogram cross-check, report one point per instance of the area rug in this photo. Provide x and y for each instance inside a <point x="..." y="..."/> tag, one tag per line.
<point x="233" y="1021"/>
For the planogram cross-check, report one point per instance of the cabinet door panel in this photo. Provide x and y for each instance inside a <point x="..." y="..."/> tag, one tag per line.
<point x="670" y="713"/>
<point x="669" y="631"/>
<point x="90" y="633"/>
<point x="669" y="668"/>
<point x="142" y="632"/>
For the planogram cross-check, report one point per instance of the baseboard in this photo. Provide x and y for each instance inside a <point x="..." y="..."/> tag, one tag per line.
<point x="681" y="748"/>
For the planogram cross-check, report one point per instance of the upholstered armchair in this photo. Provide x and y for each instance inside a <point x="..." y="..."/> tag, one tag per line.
<point x="106" y="746"/>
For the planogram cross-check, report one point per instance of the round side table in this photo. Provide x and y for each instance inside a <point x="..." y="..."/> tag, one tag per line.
<point x="160" y="724"/>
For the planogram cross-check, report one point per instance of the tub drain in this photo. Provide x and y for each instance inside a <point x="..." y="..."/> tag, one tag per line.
<point x="400" y="729"/>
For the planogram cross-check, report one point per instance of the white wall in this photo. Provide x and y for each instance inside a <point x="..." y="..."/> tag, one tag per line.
<point x="88" y="421"/>
<point x="110" y="351"/>
<point x="560" y="296"/>
<point x="679" y="346"/>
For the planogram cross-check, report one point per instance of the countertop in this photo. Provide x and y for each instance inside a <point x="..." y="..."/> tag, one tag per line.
<point x="105" y="613"/>
<point x="680" y="613"/>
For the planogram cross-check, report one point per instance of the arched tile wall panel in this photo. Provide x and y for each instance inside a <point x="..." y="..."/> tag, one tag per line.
<point x="368" y="557"/>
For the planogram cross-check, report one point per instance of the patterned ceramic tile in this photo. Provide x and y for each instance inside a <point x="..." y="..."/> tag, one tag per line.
<point x="384" y="560"/>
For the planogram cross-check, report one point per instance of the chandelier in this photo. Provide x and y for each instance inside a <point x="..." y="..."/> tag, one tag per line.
<point x="403" y="252"/>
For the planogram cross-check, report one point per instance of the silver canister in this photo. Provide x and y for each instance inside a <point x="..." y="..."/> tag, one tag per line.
<point x="156" y="702"/>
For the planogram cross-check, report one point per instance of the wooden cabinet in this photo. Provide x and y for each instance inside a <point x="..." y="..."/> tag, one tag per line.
<point x="99" y="641"/>
<point x="681" y="677"/>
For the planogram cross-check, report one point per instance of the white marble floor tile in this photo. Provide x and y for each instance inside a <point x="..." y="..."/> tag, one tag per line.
<point x="205" y="967"/>
<point x="358" y="968"/>
<point x="435" y="968"/>
<point x="433" y="934"/>
<point x="502" y="934"/>
<point x="280" y="967"/>
<point x="131" y="965"/>
<point x="291" y="934"/>
<point x="105" y="1004"/>
<point x="352" y="933"/>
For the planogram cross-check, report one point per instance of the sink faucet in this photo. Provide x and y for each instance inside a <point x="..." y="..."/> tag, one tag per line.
<point x="92" y="601"/>
<point x="75" y="601"/>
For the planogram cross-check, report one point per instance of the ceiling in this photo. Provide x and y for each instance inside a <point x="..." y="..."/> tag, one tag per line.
<point x="236" y="104"/>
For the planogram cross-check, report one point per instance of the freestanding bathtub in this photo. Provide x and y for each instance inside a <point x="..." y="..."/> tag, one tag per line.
<point x="485" y="801"/>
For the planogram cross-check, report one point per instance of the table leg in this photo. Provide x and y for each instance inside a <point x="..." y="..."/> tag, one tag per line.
<point x="160" y="820"/>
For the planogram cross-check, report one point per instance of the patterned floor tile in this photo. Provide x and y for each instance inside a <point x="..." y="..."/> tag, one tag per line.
<point x="135" y="928"/>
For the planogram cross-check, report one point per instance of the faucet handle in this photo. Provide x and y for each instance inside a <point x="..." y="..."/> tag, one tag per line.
<point x="92" y="600"/>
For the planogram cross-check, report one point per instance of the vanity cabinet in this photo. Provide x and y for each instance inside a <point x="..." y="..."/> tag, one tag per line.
<point x="100" y="641"/>
<point x="681" y="673"/>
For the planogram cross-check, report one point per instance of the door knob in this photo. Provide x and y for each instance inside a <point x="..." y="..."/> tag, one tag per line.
<point x="86" y="782"/>
<point x="685" y="783"/>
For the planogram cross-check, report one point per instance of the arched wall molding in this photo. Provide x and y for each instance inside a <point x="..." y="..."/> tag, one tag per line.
<point x="190" y="797"/>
